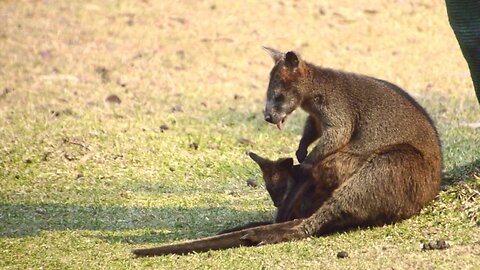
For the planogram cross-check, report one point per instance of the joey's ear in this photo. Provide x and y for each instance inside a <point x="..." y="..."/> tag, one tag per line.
<point x="292" y="60"/>
<point x="276" y="55"/>
<point x="287" y="163"/>
<point x="262" y="162"/>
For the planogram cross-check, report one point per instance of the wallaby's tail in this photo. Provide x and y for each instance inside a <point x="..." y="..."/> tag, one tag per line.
<point x="223" y="241"/>
<point x="246" y="226"/>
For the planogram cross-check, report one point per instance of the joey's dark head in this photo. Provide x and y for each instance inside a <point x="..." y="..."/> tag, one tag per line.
<point x="277" y="176"/>
<point x="284" y="88"/>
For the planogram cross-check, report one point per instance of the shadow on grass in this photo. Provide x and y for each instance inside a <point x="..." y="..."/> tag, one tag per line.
<point x="460" y="174"/>
<point x="116" y="223"/>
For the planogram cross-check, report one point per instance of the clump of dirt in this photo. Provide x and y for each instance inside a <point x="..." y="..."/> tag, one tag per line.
<point x="194" y="145"/>
<point x="113" y="99"/>
<point x="163" y="128"/>
<point x="435" y="245"/>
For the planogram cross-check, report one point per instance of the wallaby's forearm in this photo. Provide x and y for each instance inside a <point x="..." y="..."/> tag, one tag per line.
<point x="332" y="139"/>
<point x="310" y="134"/>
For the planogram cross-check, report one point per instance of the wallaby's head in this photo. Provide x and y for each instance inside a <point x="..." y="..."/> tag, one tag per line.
<point x="277" y="176"/>
<point x="299" y="202"/>
<point x="292" y="192"/>
<point x="284" y="92"/>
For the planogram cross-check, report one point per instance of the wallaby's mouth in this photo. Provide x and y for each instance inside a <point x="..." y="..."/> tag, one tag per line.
<point x="280" y="123"/>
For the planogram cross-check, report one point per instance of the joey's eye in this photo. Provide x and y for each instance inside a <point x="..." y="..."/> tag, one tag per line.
<point x="279" y="98"/>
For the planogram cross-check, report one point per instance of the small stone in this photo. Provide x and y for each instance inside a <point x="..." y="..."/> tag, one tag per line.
<point x="252" y="183"/>
<point x="342" y="255"/>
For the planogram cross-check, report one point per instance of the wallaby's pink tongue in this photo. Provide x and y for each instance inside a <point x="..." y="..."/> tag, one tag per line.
<point x="280" y="124"/>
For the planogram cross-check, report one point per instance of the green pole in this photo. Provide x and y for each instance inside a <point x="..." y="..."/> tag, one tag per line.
<point x="464" y="17"/>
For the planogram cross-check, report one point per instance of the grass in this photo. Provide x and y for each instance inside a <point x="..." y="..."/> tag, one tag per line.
<point x="83" y="181"/>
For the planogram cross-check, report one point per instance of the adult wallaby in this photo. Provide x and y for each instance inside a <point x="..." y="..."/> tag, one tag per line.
<point x="377" y="148"/>
<point x="378" y="152"/>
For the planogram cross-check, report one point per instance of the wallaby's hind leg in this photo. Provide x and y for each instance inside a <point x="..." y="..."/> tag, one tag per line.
<point x="391" y="186"/>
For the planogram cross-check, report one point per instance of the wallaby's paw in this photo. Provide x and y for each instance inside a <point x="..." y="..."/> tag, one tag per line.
<point x="301" y="154"/>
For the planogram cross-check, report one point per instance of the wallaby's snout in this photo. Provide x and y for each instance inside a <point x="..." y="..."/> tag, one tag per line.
<point x="274" y="117"/>
<point x="269" y="118"/>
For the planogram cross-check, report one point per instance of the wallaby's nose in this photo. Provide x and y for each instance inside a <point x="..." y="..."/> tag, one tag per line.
<point x="268" y="118"/>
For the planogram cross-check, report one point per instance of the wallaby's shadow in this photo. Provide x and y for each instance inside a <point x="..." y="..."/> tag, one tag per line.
<point x="110" y="222"/>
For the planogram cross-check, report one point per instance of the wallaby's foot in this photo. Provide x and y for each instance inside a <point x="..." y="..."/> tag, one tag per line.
<point x="276" y="233"/>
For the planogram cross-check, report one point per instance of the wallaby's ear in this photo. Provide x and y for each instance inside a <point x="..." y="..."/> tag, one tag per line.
<point x="276" y="55"/>
<point x="262" y="162"/>
<point x="292" y="60"/>
<point x="286" y="163"/>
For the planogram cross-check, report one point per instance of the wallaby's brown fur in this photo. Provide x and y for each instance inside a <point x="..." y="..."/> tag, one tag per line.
<point x="377" y="151"/>
<point x="293" y="192"/>
<point x="378" y="155"/>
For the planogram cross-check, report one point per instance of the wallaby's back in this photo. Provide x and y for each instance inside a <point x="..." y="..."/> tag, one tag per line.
<point x="382" y="113"/>
<point x="389" y="130"/>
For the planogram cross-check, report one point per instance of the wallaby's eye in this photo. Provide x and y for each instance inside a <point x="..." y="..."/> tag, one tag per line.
<point x="279" y="98"/>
